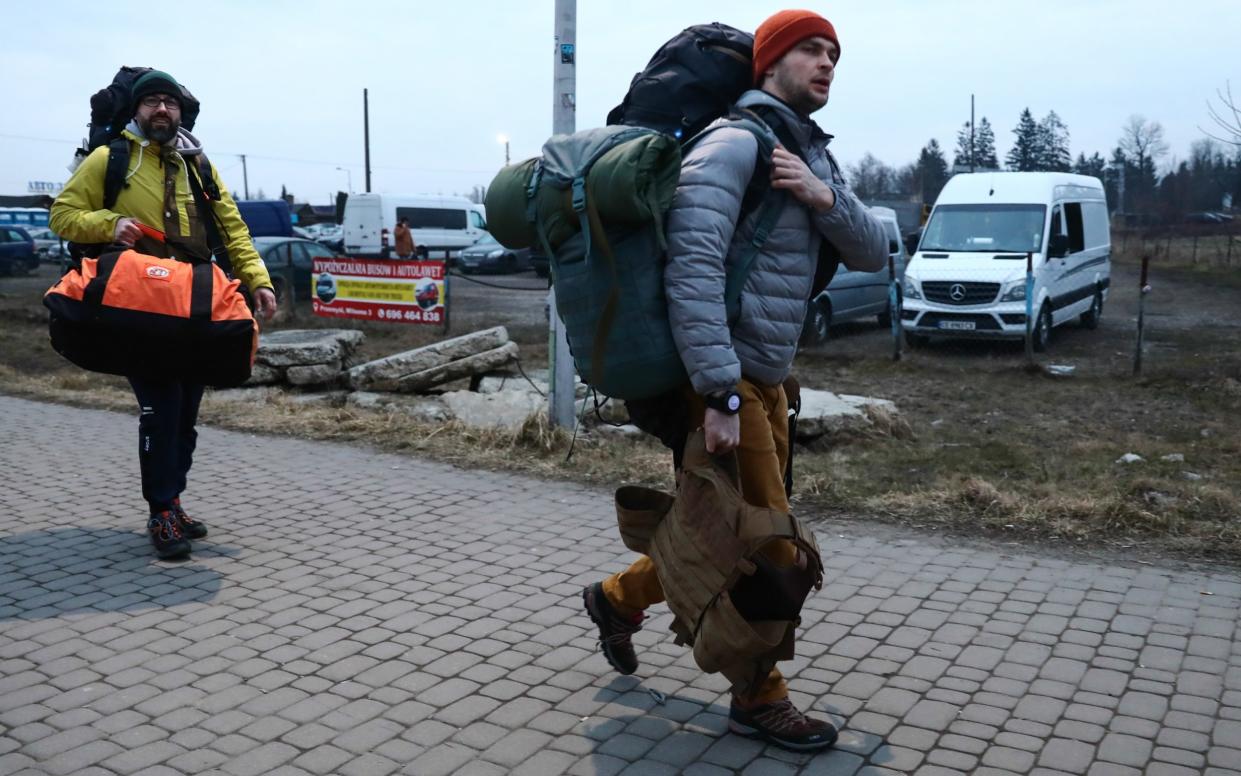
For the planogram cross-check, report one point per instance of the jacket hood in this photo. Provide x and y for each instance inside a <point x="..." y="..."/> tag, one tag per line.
<point x="804" y="129"/>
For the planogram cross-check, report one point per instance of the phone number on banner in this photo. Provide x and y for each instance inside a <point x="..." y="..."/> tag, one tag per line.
<point x="378" y="312"/>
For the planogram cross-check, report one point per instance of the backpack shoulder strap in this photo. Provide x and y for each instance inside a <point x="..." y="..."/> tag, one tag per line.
<point x="114" y="173"/>
<point x="197" y="172"/>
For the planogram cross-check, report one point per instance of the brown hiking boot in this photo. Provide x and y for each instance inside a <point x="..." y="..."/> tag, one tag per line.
<point x="780" y="723"/>
<point x="615" y="631"/>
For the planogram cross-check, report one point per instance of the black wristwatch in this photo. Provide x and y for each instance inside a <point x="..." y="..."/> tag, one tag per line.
<point x="727" y="402"/>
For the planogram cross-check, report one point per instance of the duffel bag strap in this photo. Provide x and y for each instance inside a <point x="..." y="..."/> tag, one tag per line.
<point x="92" y="295"/>
<point x="201" y="292"/>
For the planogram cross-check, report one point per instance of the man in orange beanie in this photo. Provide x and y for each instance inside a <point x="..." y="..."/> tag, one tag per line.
<point x="737" y="367"/>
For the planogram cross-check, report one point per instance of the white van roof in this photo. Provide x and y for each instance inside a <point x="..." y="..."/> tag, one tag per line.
<point x="1016" y="188"/>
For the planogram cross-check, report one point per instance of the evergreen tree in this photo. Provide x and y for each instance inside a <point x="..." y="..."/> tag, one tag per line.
<point x="1053" y="144"/>
<point x="932" y="171"/>
<point x="984" y="146"/>
<point x="967" y="151"/>
<point x="1094" y="166"/>
<point x="1024" y="155"/>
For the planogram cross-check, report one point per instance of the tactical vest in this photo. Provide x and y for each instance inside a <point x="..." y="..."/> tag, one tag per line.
<point x="736" y="608"/>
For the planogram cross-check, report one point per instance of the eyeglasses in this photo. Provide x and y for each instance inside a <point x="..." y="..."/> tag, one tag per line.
<point x="154" y="100"/>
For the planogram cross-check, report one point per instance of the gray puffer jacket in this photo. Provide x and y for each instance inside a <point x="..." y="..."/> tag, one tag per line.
<point x="704" y="237"/>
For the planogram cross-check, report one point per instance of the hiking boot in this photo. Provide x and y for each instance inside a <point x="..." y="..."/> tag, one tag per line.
<point x="189" y="526"/>
<point x="780" y="723"/>
<point x="166" y="535"/>
<point x="614" y="630"/>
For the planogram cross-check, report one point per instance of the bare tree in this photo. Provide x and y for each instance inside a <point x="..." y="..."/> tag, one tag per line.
<point x="1227" y="117"/>
<point x="1142" y="141"/>
<point x="871" y="178"/>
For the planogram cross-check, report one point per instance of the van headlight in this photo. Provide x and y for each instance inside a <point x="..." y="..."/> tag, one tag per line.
<point x="911" y="289"/>
<point x="1016" y="292"/>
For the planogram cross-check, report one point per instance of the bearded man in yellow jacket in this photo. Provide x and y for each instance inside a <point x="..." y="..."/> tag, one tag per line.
<point x="157" y="193"/>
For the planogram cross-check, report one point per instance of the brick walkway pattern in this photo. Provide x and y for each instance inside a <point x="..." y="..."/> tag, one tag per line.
<point x="367" y="614"/>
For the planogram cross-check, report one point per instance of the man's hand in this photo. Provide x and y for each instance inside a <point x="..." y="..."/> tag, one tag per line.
<point x="789" y="172"/>
<point x="265" y="303"/>
<point x="723" y="431"/>
<point x="126" y="232"/>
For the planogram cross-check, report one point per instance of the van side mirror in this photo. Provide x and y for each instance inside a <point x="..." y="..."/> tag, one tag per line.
<point x="894" y="247"/>
<point x="1058" y="246"/>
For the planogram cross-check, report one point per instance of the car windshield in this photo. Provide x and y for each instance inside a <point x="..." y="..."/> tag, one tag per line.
<point x="487" y="239"/>
<point x="985" y="228"/>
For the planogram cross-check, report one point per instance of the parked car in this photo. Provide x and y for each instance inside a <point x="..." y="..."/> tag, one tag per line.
<point x="968" y="276"/>
<point x="46" y="242"/>
<point x="288" y="261"/>
<point x="852" y="295"/>
<point x="1207" y="218"/>
<point x="488" y="255"/>
<point x="17" y="251"/>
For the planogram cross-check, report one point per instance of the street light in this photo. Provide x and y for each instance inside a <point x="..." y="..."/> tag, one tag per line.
<point x="504" y="139"/>
<point x="349" y="177"/>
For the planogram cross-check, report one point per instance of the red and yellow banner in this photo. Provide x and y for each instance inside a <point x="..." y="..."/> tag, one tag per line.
<point x="379" y="290"/>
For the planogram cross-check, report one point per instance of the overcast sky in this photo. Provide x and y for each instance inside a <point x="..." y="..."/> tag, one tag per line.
<point x="282" y="81"/>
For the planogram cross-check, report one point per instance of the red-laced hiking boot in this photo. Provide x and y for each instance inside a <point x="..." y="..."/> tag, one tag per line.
<point x="166" y="536"/>
<point x="189" y="526"/>
<point x="615" y="631"/>
<point x="780" y="723"/>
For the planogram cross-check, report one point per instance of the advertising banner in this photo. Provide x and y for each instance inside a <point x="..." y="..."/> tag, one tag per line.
<point x="380" y="290"/>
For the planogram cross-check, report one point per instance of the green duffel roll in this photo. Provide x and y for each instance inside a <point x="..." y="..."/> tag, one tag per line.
<point x="506" y="206"/>
<point x="636" y="181"/>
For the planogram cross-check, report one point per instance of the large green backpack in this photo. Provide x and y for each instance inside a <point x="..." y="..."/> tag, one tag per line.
<point x="595" y="202"/>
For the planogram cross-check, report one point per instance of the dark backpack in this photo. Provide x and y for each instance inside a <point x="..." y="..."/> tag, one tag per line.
<point x="691" y="80"/>
<point x="111" y="109"/>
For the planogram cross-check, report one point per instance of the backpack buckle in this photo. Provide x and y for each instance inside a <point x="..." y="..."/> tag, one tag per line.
<point x="579" y="194"/>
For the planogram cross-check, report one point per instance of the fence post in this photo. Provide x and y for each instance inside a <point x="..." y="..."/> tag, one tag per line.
<point x="1030" y="308"/>
<point x="1143" y="290"/>
<point x="1231" y="239"/>
<point x="894" y="304"/>
<point x="1194" y="260"/>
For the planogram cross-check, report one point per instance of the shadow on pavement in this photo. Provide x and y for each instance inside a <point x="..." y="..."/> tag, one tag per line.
<point x="62" y="571"/>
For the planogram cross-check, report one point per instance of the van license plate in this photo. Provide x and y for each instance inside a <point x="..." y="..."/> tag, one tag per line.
<point x="957" y="325"/>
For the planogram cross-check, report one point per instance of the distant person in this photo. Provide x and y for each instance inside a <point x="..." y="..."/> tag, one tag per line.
<point x="157" y="193"/>
<point x="404" y="240"/>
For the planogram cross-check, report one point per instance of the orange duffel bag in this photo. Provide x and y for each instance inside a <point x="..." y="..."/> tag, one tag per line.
<point x="127" y="313"/>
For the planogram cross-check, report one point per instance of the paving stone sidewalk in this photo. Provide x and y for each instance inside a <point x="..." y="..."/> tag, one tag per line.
<point x="366" y="614"/>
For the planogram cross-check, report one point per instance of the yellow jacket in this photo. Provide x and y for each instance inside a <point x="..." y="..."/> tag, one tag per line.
<point x="78" y="213"/>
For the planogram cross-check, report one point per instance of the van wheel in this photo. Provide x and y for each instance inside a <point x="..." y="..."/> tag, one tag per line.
<point x="1090" y="318"/>
<point x="818" y="323"/>
<point x="1042" y="330"/>
<point x="916" y="340"/>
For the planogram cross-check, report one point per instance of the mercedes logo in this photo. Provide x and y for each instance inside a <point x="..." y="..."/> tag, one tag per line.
<point x="957" y="292"/>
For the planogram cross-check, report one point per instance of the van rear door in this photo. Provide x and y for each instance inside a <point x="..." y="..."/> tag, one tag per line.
<point x="363" y="224"/>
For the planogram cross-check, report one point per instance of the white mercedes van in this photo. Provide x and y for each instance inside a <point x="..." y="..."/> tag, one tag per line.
<point x="438" y="224"/>
<point x="968" y="276"/>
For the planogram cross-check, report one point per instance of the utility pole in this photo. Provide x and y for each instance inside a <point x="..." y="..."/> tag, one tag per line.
<point x="561" y="397"/>
<point x="973" y="148"/>
<point x="366" y="136"/>
<point x="245" y="176"/>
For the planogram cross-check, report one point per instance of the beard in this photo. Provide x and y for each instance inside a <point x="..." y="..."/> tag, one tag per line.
<point x="799" y="96"/>
<point x="160" y="134"/>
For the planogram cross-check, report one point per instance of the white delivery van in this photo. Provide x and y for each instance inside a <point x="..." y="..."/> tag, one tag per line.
<point x="968" y="276"/>
<point x="438" y="224"/>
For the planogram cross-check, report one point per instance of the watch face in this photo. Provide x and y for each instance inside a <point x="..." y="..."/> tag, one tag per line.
<point x="734" y="402"/>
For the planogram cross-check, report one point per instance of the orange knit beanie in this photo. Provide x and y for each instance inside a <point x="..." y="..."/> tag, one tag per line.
<point x="784" y="30"/>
